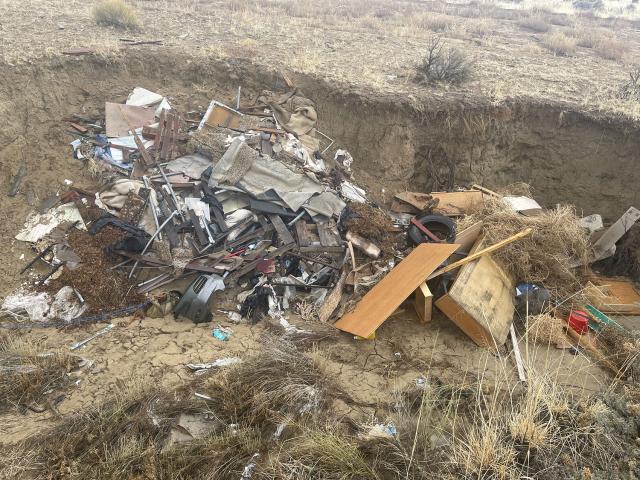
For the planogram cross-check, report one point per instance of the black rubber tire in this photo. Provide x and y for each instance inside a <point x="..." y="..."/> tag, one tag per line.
<point x="441" y="225"/>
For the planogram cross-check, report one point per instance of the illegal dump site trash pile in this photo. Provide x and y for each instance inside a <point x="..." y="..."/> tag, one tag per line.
<point x="251" y="212"/>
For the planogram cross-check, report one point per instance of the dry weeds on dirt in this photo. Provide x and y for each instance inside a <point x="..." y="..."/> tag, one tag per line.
<point x="548" y="52"/>
<point x="288" y="428"/>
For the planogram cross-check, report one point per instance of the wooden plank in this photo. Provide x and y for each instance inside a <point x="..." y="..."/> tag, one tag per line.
<point x="120" y="118"/>
<point x="328" y="237"/>
<point x="458" y="203"/>
<point x="480" y="253"/>
<point x="332" y="300"/>
<point x="281" y="228"/>
<point x="321" y="249"/>
<point x="387" y="295"/>
<point x="221" y="116"/>
<point x="603" y="248"/>
<point x="480" y="301"/>
<point x="202" y="237"/>
<point x="302" y="233"/>
<point x="160" y="132"/>
<point x="423" y="302"/>
<point x="468" y="237"/>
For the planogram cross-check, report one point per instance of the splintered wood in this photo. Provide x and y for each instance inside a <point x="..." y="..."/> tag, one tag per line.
<point x="383" y="299"/>
<point x="166" y="136"/>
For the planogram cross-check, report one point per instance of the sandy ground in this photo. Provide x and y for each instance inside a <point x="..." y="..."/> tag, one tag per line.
<point x="334" y="40"/>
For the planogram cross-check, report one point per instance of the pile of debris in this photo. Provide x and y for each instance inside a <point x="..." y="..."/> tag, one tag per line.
<point x="241" y="210"/>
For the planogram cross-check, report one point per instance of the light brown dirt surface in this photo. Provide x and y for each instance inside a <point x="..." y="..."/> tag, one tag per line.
<point x="526" y="114"/>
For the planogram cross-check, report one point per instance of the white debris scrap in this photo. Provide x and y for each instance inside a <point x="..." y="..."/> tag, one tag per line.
<point x="40" y="224"/>
<point x="200" y="368"/>
<point x="353" y="192"/>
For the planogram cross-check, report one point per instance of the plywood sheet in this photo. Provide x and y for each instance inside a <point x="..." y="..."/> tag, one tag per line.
<point x="480" y="301"/>
<point x="383" y="299"/>
<point x="116" y="124"/>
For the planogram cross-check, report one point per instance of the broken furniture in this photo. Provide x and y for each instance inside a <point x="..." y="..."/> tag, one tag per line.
<point x="480" y="300"/>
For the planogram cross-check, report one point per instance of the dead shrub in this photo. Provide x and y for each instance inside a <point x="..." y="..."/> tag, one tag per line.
<point x="560" y="44"/>
<point x="630" y="90"/>
<point x="115" y="13"/>
<point x="535" y="23"/>
<point x="443" y="64"/>
<point x="29" y="372"/>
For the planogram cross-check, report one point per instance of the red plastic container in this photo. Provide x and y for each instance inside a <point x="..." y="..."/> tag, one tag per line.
<point x="579" y="321"/>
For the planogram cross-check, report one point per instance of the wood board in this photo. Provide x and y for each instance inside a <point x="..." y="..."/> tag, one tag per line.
<point x="449" y="203"/>
<point x="616" y="296"/>
<point x="383" y="299"/>
<point x="480" y="301"/>
<point x="423" y="302"/>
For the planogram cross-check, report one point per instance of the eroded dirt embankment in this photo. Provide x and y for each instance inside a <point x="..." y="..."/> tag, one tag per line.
<point x="398" y="143"/>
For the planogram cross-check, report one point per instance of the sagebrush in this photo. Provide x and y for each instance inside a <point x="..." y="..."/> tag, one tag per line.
<point x="116" y="13"/>
<point x="444" y="64"/>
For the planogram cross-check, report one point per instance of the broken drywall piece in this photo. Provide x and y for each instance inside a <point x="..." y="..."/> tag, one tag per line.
<point x="40" y="224"/>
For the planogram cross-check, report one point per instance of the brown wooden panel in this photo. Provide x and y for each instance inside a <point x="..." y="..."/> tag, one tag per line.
<point x="383" y="299"/>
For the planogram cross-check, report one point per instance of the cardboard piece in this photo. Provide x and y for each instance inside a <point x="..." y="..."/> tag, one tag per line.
<point x="423" y="302"/>
<point x="449" y="203"/>
<point x="383" y="299"/>
<point x="116" y="123"/>
<point x="481" y="301"/>
<point x="604" y="246"/>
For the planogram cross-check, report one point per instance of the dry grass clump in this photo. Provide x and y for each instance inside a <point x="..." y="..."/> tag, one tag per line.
<point x="279" y="381"/>
<point x="560" y="44"/>
<point x="443" y="64"/>
<point x="29" y="374"/>
<point x="590" y="37"/>
<point x="483" y="453"/>
<point x="621" y="348"/>
<point x="535" y="23"/>
<point x="546" y="255"/>
<point x="115" y="13"/>
<point x="124" y="437"/>
<point x="432" y="21"/>
<point x="546" y="329"/>
<point x="610" y="48"/>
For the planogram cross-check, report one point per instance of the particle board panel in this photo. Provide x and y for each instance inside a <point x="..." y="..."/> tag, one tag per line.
<point x="383" y="299"/>
<point x="480" y="301"/>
